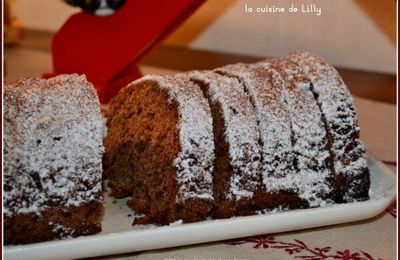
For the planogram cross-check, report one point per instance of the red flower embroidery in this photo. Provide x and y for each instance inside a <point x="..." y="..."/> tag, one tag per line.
<point x="259" y="241"/>
<point x="346" y="255"/>
<point x="299" y="249"/>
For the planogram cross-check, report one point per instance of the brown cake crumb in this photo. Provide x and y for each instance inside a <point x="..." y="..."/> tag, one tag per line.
<point x="151" y="157"/>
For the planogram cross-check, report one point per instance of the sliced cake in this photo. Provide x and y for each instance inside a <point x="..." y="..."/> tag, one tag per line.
<point x="277" y="135"/>
<point x="237" y="171"/>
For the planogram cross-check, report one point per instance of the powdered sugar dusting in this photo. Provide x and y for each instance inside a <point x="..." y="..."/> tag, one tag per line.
<point x="61" y="230"/>
<point x="241" y="131"/>
<point x="52" y="144"/>
<point x="337" y="106"/>
<point x="273" y="120"/>
<point x="309" y="137"/>
<point x="194" y="164"/>
<point x="290" y="130"/>
<point x="176" y="223"/>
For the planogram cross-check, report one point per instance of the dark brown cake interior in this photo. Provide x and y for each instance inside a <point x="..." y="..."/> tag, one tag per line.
<point x="76" y="221"/>
<point x="141" y="146"/>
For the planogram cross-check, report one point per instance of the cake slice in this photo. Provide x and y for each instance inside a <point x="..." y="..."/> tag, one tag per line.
<point x="277" y="155"/>
<point x="52" y="159"/>
<point x="308" y="134"/>
<point x="160" y="149"/>
<point x="351" y="180"/>
<point x="237" y="171"/>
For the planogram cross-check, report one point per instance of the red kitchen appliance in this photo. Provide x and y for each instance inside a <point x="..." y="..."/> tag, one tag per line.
<point x="108" y="48"/>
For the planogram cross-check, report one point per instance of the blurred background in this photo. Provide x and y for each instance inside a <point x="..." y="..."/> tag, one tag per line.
<point x="357" y="36"/>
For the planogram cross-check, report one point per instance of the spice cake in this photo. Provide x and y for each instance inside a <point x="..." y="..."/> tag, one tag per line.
<point x="237" y="175"/>
<point x="160" y="149"/>
<point x="276" y="135"/>
<point x="52" y="159"/>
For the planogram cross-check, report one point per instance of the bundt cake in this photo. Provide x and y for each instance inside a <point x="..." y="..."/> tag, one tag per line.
<point x="53" y="151"/>
<point x="242" y="139"/>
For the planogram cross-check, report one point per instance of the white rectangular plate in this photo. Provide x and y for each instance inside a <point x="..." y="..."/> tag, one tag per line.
<point x="119" y="236"/>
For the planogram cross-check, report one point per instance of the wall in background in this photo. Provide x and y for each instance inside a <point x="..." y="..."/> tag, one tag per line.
<point x="47" y="15"/>
<point x="356" y="34"/>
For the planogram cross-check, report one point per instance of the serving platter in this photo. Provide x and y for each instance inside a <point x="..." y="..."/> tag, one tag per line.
<point x="119" y="236"/>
